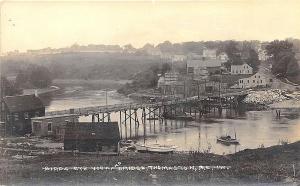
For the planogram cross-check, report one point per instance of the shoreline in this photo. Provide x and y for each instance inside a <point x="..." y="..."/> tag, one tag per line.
<point x="263" y="165"/>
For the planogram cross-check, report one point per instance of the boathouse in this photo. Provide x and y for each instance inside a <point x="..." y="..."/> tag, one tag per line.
<point x="52" y="126"/>
<point x="101" y="137"/>
<point x="18" y="111"/>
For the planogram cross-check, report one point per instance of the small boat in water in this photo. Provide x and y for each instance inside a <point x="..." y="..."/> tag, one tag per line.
<point x="227" y="140"/>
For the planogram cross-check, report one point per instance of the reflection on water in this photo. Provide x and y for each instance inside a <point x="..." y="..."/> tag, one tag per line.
<point x="253" y="129"/>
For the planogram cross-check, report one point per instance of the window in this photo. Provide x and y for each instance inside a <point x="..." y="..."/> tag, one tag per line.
<point x="16" y="116"/>
<point x="49" y="127"/>
<point x="191" y="70"/>
<point x="257" y="81"/>
<point x="254" y="76"/>
<point x="253" y="81"/>
<point x="248" y="71"/>
<point x="258" y="76"/>
<point x="271" y="80"/>
<point x="260" y="81"/>
<point x="248" y="81"/>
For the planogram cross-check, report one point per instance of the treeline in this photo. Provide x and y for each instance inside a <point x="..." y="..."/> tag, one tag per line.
<point x="146" y="79"/>
<point x="284" y="62"/>
<point x="34" y="76"/>
<point x="86" y="66"/>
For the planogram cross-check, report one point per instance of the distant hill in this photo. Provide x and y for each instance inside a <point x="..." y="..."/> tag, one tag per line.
<point x="83" y="65"/>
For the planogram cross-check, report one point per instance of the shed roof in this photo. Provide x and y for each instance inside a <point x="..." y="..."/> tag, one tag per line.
<point x="23" y="103"/>
<point x="87" y="130"/>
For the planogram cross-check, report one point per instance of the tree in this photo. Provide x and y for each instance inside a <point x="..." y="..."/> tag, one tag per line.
<point x="40" y="77"/>
<point x="284" y="63"/>
<point x="233" y="53"/>
<point x="253" y="60"/>
<point x="22" y="78"/>
<point x="8" y="88"/>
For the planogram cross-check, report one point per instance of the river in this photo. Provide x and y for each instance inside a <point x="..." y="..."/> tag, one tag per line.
<point x="253" y="128"/>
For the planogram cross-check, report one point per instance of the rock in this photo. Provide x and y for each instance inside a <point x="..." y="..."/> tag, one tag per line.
<point x="266" y="97"/>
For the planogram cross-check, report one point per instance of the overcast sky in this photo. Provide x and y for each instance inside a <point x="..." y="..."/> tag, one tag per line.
<point x="33" y="25"/>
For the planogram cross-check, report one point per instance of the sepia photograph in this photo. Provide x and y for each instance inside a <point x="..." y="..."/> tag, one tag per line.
<point x="150" y="92"/>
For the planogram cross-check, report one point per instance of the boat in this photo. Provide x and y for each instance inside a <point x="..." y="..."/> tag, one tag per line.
<point x="155" y="148"/>
<point x="162" y="149"/>
<point x="227" y="140"/>
<point x="140" y="147"/>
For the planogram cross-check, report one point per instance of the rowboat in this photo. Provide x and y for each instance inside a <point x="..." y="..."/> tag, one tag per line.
<point x="163" y="149"/>
<point x="227" y="140"/>
<point x="155" y="148"/>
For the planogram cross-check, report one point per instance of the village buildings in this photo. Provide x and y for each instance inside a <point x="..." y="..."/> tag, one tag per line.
<point x="199" y="67"/>
<point x="210" y="53"/>
<point x="52" y="126"/>
<point x="241" y="69"/>
<point x="18" y="111"/>
<point x="223" y="57"/>
<point x="257" y="80"/>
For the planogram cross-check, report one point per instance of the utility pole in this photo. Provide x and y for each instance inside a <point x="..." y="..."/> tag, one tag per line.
<point x="106" y="97"/>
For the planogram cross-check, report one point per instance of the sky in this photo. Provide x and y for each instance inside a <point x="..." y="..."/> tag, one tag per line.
<point x="40" y="24"/>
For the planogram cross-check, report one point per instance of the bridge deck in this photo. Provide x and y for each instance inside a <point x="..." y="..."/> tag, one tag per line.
<point x="119" y="107"/>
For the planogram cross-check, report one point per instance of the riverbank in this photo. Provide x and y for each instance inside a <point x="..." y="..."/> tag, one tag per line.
<point x="272" y="165"/>
<point x="95" y="84"/>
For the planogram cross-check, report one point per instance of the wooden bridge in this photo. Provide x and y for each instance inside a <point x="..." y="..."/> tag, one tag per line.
<point x="213" y="99"/>
<point x="193" y="107"/>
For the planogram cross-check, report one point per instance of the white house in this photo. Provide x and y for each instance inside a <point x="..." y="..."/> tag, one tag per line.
<point x="262" y="55"/>
<point x="223" y="57"/>
<point x="176" y="58"/>
<point x="210" y="53"/>
<point x="241" y="69"/>
<point x="169" y="78"/>
<point x="258" y="79"/>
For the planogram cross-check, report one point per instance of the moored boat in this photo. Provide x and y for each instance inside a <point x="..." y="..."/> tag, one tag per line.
<point x="227" y="140"/>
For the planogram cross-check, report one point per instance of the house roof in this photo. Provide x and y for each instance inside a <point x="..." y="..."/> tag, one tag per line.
<point x="87" y="130"/>
<point x="23" y="103"/>
<point x="55" y="116"/>
<point x="204" y="63"/>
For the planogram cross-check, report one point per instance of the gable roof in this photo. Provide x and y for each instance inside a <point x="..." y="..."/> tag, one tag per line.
<point x="88" y="130"/>
<point x="241" y="65"/>
<point x="23" y="103"/>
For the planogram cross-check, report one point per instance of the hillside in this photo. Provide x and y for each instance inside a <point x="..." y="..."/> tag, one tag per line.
<point x="83" y="65"/>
